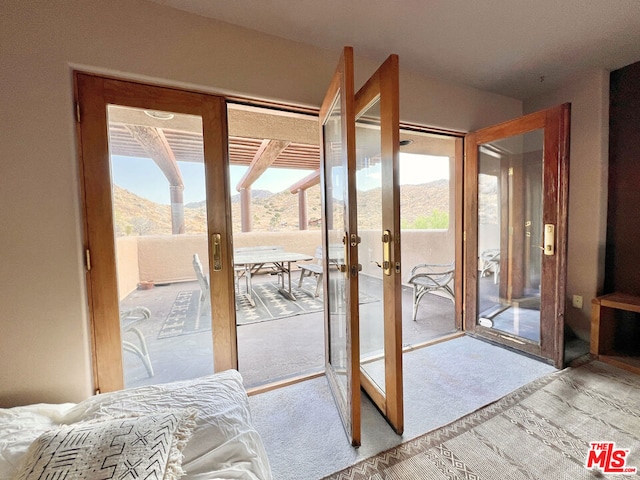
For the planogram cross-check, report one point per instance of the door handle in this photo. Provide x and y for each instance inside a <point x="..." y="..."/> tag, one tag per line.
<point x="386" y="252"/>
<point x="217" y="251"/>
<point x="549" y="239"/>
<point x="343" y="266"/>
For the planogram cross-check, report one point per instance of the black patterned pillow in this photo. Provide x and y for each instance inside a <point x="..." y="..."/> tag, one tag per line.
<point x="145" y="447"/>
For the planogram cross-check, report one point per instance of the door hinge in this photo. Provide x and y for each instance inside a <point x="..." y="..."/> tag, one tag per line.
<point x="87" y="259"/>
<point x="78" y="112"/>
<point x="464" y="236"/>
<point x="511" y="171"/>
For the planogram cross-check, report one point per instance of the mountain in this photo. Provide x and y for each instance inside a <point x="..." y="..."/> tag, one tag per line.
<point x="135" y="215"/>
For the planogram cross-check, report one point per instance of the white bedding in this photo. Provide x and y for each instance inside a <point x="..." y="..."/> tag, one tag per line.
<point x="224" y="444"/>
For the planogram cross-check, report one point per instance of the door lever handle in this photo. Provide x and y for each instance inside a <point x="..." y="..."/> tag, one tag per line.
<point x="386" y="252"/>
<point x="217" y="251"/>
<point x="549" y="239"/>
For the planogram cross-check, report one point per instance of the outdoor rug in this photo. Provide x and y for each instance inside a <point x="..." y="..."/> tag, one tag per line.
<point x="183" y="316"/>
<point x="270" y="304"/>
<point x="578" y="423"/>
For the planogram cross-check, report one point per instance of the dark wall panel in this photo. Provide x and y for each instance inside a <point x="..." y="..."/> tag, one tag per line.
<point x="622" y="268"/>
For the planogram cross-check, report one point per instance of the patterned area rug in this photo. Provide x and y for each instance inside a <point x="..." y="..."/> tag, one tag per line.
<point x="183" y="317"/>
<point x="548" y="429"/>
<point x="270" y="304"/>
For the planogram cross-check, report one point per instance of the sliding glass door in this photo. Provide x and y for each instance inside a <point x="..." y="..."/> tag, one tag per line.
<point x="159" y="269"/>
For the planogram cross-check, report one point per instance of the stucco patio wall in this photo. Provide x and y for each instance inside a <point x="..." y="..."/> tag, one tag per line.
<point x="167" y="258"/>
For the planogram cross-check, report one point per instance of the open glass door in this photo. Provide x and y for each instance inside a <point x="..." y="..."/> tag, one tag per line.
<point x="516" y="224"/>
<point x="378" y="213"/>
<point x="361" y="242"/>
<point x="340" y="245"/>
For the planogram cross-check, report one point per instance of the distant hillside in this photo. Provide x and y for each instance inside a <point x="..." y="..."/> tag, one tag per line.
<point x="135" y="215"/>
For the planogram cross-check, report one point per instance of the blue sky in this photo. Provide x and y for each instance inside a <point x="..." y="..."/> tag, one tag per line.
<point x="142" y="176"/>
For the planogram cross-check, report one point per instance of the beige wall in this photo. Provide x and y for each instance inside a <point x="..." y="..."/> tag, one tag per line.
<point x="127" y="265"/>
<point x="589" y="97"/>
<point x="45" y="347"/>
<point x="168" y="258"/>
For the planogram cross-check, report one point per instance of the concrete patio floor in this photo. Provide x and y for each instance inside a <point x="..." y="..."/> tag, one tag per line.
<point x="268" y="351"/>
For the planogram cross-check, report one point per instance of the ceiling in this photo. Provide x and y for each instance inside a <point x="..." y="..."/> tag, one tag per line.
<point x="518" y="48"/>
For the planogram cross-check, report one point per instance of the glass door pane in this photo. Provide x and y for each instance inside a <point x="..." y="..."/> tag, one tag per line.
<point x="274" y="161"/>
<point x="336" y="181"/>
<point x="510" y="234"/>
<point x="370" y="250"/>
<point x="160" y="230"/>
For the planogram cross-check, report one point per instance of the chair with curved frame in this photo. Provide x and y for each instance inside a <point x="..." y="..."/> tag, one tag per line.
<point x="427" y="278"/>
<point x="129" y="320"/>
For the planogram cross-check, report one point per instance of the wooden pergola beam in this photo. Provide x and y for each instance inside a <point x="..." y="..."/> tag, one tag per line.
<point x="156" y="146"/>
<point x="264" y="157"/>
<point x="307" y="182"/>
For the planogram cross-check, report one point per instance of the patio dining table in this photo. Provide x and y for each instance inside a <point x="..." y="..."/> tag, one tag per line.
<point x="250" y="261"/>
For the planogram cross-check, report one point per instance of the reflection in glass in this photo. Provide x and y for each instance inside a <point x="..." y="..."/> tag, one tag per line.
<point x="157" y="167"/>
<point x="369" y="208"/>
<point x="510" y="234"/>
<point x="336" y="184"/>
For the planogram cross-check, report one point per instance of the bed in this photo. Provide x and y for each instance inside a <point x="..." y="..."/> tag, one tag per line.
<point x="206" y="422"/>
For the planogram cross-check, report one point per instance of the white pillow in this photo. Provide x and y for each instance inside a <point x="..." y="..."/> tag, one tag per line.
<point x="147" y="446"/>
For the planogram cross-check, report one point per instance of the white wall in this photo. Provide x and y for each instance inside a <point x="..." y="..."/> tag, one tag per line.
<point x="45" y="352"/>
<point x="589" y="160"/>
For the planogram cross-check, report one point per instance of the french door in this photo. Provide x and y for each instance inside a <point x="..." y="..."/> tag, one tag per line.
<point x="172" y="128"/>
<point x="363" y="317"/>
<point x="516" y="187"/>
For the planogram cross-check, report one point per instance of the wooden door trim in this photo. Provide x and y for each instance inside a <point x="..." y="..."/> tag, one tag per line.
<point x="342" y="82"/>
<point x="384" y="85"/>
<point x="458" y="222"/>
<point x="222" y="291"/>
<point x="98" y="235"/>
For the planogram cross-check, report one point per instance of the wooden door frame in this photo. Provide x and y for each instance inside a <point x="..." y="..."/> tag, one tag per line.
<point x="384" y="85"/>
<point x="93" y="93"/>
<point x="343" y="83"/>
<point x="556" y="122"/>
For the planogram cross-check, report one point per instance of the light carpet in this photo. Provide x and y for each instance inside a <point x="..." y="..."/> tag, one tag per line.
<point x="303" y="433"/>
<point x="541" y="431"/>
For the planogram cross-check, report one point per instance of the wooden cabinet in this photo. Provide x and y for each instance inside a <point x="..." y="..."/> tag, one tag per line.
<point x="603" y="329"/>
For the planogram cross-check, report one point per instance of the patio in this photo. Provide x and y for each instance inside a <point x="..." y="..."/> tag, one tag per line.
<point x="269" y="350"/>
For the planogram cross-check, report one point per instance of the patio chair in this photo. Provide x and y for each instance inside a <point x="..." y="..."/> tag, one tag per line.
<point x="203" y="282"/>
<point x="491" y="263"/>
<point x="129" y="320"/>
<point x="312" y="269"/>
<point x="428" y="278"/>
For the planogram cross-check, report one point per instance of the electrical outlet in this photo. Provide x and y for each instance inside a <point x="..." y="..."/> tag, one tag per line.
<point x="577" y="301"/>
